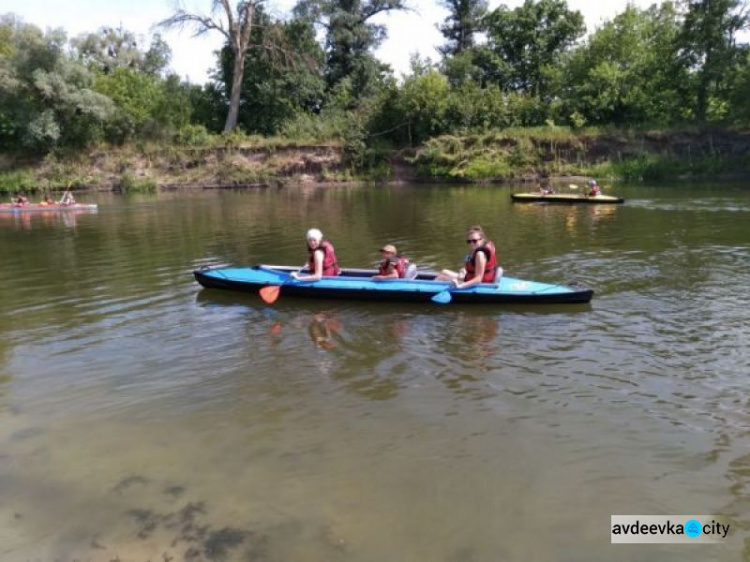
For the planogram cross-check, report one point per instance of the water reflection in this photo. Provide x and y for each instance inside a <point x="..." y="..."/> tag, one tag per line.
<point x="324" y="327"/>
<point x="153" y="420"/>
<point x="36" y="219"/>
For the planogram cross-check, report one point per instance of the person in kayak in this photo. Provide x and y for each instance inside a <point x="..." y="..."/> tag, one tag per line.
<point x="594" y="188"/>
<point x="481" y="264"/>
<point x="67" y="199"/>
<point x="21" y="200"/>
<point x="393" y="266"/>
<point x="322" y="262"/>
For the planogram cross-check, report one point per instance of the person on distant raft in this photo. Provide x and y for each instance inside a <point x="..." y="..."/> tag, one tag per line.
<point x="48" y="201"/>
<point x="545" y="187"/>
<point x="481" y="264"/>
<point x="393" y="266"/>
<point x="594" y="188"/>
<point x="21" y="200"/>
<point x="322" y="262"/>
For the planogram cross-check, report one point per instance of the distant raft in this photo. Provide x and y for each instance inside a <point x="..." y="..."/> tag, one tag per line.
<point x="36" y="207"/>
<point x="565" y="198"/>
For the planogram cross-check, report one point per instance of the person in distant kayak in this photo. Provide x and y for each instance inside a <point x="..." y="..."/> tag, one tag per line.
<point x="393" y="266"/>
<point x="21" y="200"/>
<point x="322" y="262"/>
<point x="67" y="199"/>
<point x="594" y="188"/>
<point x="47" y="201"/>
<point x="481" y="264"/>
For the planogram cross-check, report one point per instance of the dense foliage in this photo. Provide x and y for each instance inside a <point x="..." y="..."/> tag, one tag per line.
<point x="314" y="76"/>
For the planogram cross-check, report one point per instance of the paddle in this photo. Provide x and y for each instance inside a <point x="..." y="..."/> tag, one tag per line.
<point x="443" y="297"/>
<point x="270" y="294"/>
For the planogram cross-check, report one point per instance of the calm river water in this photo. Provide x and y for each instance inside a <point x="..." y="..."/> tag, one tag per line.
<point x="142" y="418"/>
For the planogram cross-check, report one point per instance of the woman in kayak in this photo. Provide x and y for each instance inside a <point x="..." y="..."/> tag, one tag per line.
<point x="481" y="264"/>
<point x="322" y="262"/>
<point x="393" y="266"/>
<point x="594" y="189"/>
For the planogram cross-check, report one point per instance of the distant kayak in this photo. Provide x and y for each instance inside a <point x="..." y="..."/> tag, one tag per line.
<point x="36" y="207"/>
<point x="565" y="198"/>
<point x="358" y="284"/>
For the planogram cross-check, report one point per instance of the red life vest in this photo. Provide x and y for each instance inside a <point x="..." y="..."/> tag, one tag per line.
<point x="399" y="262"/>
<point x="330" y="264"/>
<point x="594" y="191"/>
<point x="489" y="270"/>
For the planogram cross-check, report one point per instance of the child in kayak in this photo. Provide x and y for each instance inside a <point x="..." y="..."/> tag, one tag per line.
<point x="322" y="262"/>
<point x="393" y="266"/>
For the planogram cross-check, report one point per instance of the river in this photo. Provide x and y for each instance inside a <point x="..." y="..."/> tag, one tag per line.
<point x="143" y="418"/>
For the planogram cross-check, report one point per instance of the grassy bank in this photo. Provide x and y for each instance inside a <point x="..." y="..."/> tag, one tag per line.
<point x="509" y="155"/>
<point x="630" y="155"/>
<point x="235" y="161"/>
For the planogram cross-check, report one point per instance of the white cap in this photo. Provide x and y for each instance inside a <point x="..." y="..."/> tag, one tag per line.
<point x="314" y="234"/>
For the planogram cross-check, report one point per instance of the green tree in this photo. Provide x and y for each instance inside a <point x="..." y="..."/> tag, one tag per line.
<point x="112" y="48"/>
<point x="464" y="20"/>
<point x="709" y="49"/>
<point x="283" y="74"/>
<point x="236" y="25"/>
<point x="351" y="37"/>
<point x="46" y="99"/>
<point x="740" y="95"/>
<point x="526" y="43"/>
<point x="424" y="100"/>
<point x="627" y="71"/>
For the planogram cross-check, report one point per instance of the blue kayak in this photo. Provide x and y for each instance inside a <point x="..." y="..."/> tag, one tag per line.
<point x="358" y="284"/>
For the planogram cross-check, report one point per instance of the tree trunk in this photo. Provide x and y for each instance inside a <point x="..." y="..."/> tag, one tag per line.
<point x="234" y="98"/>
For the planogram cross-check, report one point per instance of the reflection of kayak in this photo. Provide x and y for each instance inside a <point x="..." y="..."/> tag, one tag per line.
<point x="34" y="207"/>
<point x="565" y="198"/>
<point x="356" y="284"/>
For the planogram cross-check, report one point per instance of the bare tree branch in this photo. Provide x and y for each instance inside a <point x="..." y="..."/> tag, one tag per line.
<point x="202" y="24"/>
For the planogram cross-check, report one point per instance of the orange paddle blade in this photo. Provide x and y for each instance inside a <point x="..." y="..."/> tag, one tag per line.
<point x="270" y="294"/>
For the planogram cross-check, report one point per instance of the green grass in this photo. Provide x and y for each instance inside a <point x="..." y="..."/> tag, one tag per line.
<point x="18" y="181"/>
<point x="129" y="184"/>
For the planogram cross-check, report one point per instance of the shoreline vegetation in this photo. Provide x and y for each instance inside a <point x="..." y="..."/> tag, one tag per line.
<point x="654" y="94"/>
<point x="523" y="155"/>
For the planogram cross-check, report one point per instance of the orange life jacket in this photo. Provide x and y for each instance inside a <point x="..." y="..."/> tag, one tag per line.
<point x="330" y="264"/>
<point x="489" y="270"/>
<point x="399" y="262"/>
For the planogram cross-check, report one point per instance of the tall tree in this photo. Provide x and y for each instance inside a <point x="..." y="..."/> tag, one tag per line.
<point x="112" y="48"/>
<point x="524" y="44"/>
<point x="236" y="25"/>
<point x="708" y="46"/>
<point x="627" y="72"/>
<point x="463" y="22"/>
<point x="350" y="38"/>
<point x="46" y="100"/>
<point x="278" y="83"/>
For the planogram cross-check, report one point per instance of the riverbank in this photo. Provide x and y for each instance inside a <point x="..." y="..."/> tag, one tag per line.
<point x="518" y="155"/>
